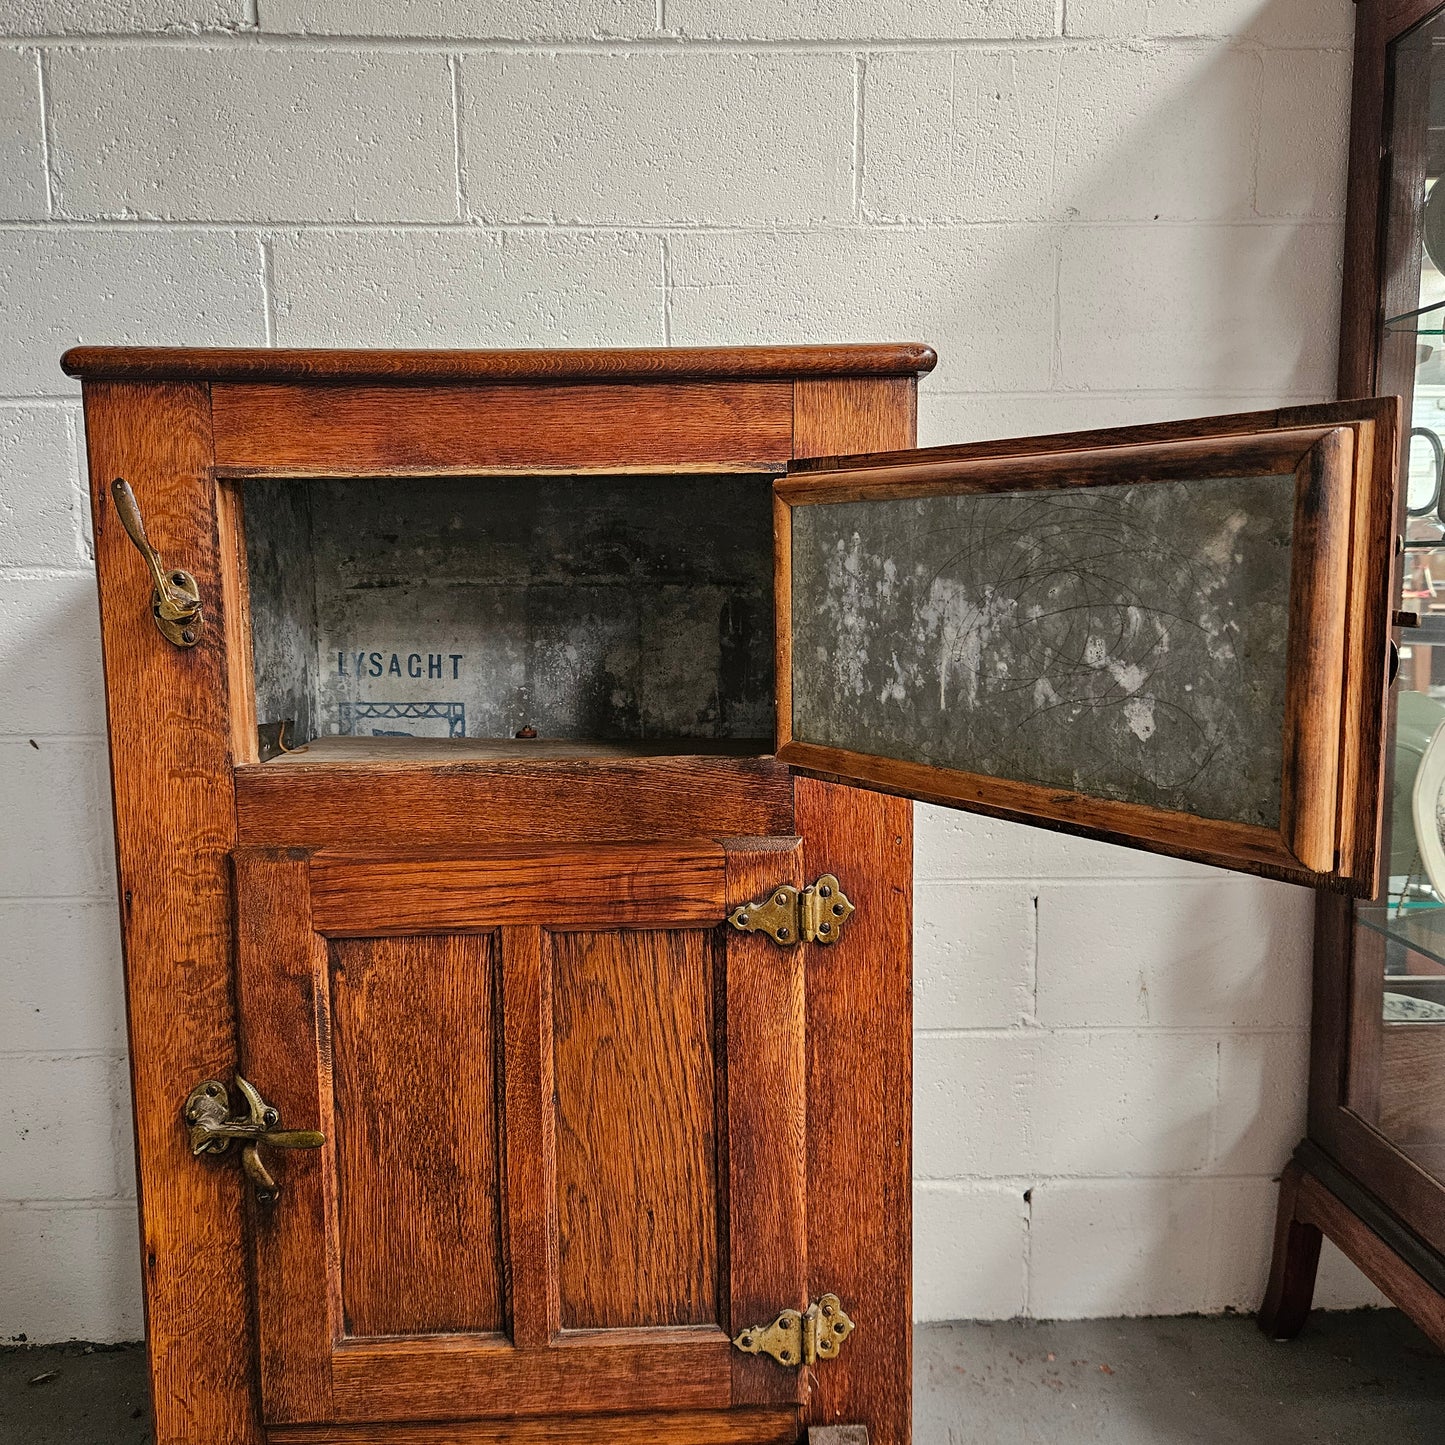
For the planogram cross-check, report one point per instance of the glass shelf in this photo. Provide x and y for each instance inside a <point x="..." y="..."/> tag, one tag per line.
<point x="1398" y="323"/>
<point x="1417" y="926"/>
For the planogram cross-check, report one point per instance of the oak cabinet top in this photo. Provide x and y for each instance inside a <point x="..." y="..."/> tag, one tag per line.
<point x="496" y="367"/>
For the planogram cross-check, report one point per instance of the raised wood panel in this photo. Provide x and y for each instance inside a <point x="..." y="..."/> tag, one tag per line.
<point x="628" y="885"/>
<point x="553" y="803"/>
<point x="415" y="1032"/>
<point x="170" y="749"/>
<point x="636" y="1086"/>
<point x="733" y="1427"/>
<point x="859" y="1002"/>
<point x="363" y="429"/>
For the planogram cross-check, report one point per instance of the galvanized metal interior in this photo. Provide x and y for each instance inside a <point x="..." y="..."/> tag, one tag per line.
<point x="618" y="607"/>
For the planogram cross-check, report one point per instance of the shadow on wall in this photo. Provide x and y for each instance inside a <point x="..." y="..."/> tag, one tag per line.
<point x="68" y="1261"/>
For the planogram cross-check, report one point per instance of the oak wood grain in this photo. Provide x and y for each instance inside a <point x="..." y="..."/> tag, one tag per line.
<point x="531" y="1137"/>
<point x="415" y="1036"/>
<point x="361" y="430"/>
<point x="767" y="1124"/>
<point x="732" y="1427"/>
<point x="860" y="1129"/>
<point x="170" y="744"/>
<point x="439" y="1378"/>
<point x="932" y="474"/>
<point x="636" y="1081"/>
<point x="1233" y="424"/>
<point x="552" y="802"/>
<point x="1366" y="715"/>
<point x="417" y="367"/>
<point x="1211" y="840"/>
<point x="325" y="753"/>
<point x="236" y="618"/>
<point x="859" y="1002"/>
<point x="282" y="999"/>
<point x="1310" y="805"/>
<point x="628" y="884"/>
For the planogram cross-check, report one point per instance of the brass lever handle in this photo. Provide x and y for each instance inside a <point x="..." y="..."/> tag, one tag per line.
<point x="213" y="1129"/>
<point x="175" y="598"/>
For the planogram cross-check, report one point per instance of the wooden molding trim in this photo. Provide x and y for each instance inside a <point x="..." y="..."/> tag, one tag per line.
<point x="656" y="363"/>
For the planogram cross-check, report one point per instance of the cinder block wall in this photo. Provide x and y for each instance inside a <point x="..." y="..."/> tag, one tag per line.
<point x="1098" y="210"/>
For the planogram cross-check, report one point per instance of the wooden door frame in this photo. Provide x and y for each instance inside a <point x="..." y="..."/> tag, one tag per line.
<point x="178" y="731"/>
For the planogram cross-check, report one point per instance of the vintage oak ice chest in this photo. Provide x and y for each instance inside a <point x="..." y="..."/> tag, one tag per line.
<point x="511" y="754"/>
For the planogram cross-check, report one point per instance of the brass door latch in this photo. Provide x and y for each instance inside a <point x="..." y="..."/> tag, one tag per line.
<point x="175" y="595"/>
<point x="800" y="1337"/>
<point x="815" y="914"/>
<point x="213" y="1129"/>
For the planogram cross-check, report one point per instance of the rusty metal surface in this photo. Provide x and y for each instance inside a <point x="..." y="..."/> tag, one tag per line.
<point x="625" y="607"/>
<point x="1124" y="641"/>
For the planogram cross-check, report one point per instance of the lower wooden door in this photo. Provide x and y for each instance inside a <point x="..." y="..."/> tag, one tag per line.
<point x="563" y="1107"/>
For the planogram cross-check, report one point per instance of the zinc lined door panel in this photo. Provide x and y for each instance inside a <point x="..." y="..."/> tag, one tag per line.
<point x="634" y="1024"/>
<point x="1169" y="636"/>
<point x="536" y="1194"/>
<point x="418" y="1133"/>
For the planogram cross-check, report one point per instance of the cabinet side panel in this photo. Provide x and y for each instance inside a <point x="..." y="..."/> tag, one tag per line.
<point x="174" y="813"/>
<point x="860" y="1020"/>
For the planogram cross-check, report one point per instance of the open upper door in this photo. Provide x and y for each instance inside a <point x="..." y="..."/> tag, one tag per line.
<point x="1175" y="637"/>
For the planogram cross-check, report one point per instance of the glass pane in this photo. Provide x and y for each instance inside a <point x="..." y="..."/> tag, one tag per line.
<point x="1397" y="1045"/>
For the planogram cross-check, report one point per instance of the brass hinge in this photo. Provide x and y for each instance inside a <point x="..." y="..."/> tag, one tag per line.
<point x="800" y="1337"/>
<point x="815" y="914"/>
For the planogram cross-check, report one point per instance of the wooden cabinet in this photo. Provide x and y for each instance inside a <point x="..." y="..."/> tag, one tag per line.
<point x="514" y="847"/>
<point x="1371" y="1173"/>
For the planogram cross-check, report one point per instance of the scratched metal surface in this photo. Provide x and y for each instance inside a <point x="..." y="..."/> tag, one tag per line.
<point x="1128" y="642"/>
<point x="610" y="608"/>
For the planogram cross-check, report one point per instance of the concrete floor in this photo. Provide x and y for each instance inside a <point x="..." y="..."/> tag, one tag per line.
<point x="1356" y="1378"/>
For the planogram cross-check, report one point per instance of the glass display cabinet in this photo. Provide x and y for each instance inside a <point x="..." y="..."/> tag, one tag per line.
<point x="1371" y="1174"/>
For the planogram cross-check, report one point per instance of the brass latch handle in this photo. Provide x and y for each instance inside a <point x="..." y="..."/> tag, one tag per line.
<point x="214" y="1129"/>
<point x="175" y="596"/>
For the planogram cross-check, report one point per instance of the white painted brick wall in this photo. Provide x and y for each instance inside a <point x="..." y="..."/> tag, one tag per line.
<point x="1099" y="210"/>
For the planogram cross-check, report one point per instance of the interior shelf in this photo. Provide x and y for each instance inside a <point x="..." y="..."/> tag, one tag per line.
<point x="327" y="752"/>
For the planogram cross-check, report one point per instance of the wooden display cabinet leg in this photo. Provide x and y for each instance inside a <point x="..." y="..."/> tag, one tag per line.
<point x="1291" y="1286"/>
